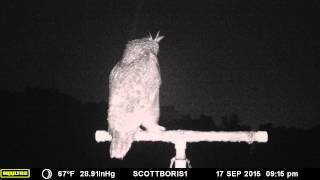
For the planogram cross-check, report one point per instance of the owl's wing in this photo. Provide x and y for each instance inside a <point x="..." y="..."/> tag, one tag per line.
<point x="123" y="100"/>
<point x="123" y="118"/>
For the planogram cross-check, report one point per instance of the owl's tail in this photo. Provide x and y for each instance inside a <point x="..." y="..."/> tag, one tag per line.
<point x="121" y="143"/>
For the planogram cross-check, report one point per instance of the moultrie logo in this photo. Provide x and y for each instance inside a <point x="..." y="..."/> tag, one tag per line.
<point x="14" y="173"/>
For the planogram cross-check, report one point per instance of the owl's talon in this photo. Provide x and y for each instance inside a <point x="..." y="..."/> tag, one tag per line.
<point x="155" y="128"/>
<point x="162" y="128"/>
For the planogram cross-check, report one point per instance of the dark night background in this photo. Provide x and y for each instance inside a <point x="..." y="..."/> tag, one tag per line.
<point x="225" y="65"/>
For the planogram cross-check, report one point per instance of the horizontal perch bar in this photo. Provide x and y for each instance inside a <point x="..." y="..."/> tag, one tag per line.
<point x="173" y="136"/>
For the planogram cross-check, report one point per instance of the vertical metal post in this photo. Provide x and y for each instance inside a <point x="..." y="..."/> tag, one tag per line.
<point x="180" y="159"/>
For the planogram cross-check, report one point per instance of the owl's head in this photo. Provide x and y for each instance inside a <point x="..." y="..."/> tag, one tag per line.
<point x="147" y="43"/>
<point x="139" y="47"/>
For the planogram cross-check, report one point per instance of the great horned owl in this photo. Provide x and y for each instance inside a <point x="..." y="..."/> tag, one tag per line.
<point x="134" y="85"/>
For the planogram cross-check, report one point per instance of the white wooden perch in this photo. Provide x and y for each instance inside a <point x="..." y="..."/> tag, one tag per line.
<point x="180" y="138"/>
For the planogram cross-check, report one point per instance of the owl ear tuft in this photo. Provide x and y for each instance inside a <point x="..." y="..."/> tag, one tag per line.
<point x="150" y="37"/>
<point x="158" y="38"/>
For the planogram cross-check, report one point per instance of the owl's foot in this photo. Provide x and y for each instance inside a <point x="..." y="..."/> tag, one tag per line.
<point x="154" y="127"/>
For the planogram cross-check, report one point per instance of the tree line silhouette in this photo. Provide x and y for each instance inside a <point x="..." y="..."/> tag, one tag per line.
<point x="46" y="128"/>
